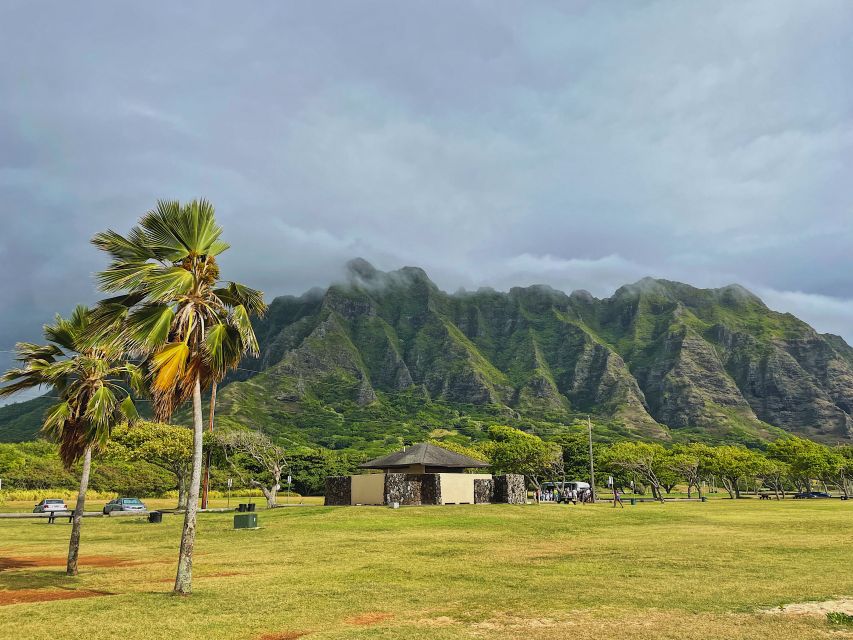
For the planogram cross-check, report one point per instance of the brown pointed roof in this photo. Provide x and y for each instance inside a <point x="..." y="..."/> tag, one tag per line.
<point x="425" y="454"/>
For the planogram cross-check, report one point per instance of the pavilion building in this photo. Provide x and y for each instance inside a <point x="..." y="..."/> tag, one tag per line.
<point x="424" y="474"/>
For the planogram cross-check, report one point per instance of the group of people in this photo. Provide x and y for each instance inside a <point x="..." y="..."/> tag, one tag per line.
<point x="571" y="495"/>
<point x="566" y="495"/>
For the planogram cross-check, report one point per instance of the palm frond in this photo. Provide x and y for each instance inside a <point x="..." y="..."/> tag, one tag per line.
<point x="65" y="332"/>
<point x="169" y="365"/>
<point x="161" y="236"/>
<point x="25" y="351"/>
<point x="124" y="275"/>
<point x="22" y="382"/>
<point x="247" y="332"/>
<point x="135" y="378"/>
<point x="223" y="344"/>
<point x="148" y="326"/>
<point x="123" y="249"/>
<point x="128" y="409"/>
<point x="234" y="294"/>
<point x="100" y="408"/>
<point x="167" y="283"/>
<point x="55" y="418"/>
<point x="198" y="227"/>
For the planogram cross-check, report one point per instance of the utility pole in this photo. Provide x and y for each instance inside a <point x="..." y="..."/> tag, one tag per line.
<point x="591" y="463"/>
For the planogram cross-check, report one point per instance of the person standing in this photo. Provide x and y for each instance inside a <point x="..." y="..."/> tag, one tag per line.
<point x="617" y="498"/>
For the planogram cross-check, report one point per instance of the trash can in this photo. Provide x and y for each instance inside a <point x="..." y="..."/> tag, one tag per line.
<point x="633" y="501"/>
<point x="704" y="498"/>
<point x="155" y="517"/>
<point x="246" y="521"/>
<point x="242" y="507"/>
<point x="250" y="506"/>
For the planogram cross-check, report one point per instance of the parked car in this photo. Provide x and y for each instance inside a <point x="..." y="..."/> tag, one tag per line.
<point x="50" y="504"/>
<point x="811" y="494"/>
<point x="124" y="504"/>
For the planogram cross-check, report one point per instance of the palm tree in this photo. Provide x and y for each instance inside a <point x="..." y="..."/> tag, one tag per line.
<point x="90" y="380"/>
<point x="176" y="313"/>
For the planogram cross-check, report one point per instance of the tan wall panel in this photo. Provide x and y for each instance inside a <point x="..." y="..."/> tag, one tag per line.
<point x="459" y="487"/>
<point x="368" y="489"/>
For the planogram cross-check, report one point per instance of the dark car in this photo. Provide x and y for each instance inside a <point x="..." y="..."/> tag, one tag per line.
<point x="124" y="504"/>
<point x="806" y="495"/>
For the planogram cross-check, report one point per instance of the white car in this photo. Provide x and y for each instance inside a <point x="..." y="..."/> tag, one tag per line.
<point x="48" y="505"/>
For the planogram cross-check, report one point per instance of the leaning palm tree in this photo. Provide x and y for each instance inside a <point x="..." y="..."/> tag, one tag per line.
<point x="174" y="311"/>
<point x="90" y="380"/>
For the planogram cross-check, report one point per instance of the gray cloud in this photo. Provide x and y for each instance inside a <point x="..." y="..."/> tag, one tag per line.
<point x="575" y="144"/>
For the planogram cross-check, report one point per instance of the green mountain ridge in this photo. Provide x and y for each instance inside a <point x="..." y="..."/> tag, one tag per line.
<point x="388" y="357"/>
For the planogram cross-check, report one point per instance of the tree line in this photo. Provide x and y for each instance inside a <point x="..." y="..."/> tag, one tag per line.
<point x="788" y="464"/>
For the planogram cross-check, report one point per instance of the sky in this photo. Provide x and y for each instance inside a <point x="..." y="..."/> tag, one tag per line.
<point x="576" y="144"/>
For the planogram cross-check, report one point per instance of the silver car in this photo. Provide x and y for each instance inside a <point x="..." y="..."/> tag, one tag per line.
<point x="47" y="505"/>
<point x="124" y="504"/>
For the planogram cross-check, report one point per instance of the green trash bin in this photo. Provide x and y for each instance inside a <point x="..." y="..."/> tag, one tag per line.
<point x="246" y="521"/>
<point x="633" y="501"/>
<point x="704" y="498"/>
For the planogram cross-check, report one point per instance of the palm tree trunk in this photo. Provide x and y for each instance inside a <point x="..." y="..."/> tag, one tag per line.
<point x="183" y="481"/>
<point x="206" y="478"/>
<point x="184" y="579"/>
<point x="77" y="521"/>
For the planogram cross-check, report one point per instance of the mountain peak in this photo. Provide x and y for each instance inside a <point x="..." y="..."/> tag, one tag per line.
<point x="361" y="268"/>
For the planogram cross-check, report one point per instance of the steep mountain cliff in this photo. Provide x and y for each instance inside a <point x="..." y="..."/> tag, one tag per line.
<point x="388" y="356"/>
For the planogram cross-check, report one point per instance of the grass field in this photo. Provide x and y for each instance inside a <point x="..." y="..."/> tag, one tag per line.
<point x="685" y="570"/>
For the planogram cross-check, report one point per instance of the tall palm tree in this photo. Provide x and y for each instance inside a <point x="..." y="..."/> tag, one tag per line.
<point x="89" y="378"/>
<point x="175" y="311"/>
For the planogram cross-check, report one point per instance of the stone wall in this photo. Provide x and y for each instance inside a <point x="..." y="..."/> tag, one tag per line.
<point x="484" y="491"/>
<point x="412" y="488"/>
<point x="338" y="490"/>
<point x="510" y="489"/>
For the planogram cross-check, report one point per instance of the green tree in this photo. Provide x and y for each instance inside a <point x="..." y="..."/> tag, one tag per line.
<point x="773" y="474"/>
<point x="167" y="446"/>
<point x="807" y="460"/>
<point x="264" y="460"/>
<point x="89" y="377"/>
<point x="731" y="464"/>
<point x="514" y="451"/>
<point x="649" y="461"/>
<point x="310" y="467"/>
<point x="692" y="462"/>
<point x="174" y="310"/>
<point x="845" y="468"/>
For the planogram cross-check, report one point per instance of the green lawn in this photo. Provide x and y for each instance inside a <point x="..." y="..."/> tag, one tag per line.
<point x="680" y="570"/>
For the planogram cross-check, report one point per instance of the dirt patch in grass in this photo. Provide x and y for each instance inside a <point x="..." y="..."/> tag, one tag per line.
<point x="440" y="621"/>
<point x="23" y="596"/>
<point x="284" y="635"/>
<point x="84" y="561"/>
<point x="368" y="619"/>
<point x="842" y="605"/>
<point x="506" y="621"/>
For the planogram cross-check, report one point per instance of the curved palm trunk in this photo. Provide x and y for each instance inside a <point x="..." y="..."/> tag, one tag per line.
<point x="77" y="521"/>
<point x="184" y="579"/>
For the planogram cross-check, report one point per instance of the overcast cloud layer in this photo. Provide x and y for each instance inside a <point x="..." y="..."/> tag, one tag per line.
<point x="582" y="145"/>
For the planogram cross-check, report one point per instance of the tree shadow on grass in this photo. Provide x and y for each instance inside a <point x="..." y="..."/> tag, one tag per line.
<point x="16" y="580"/>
